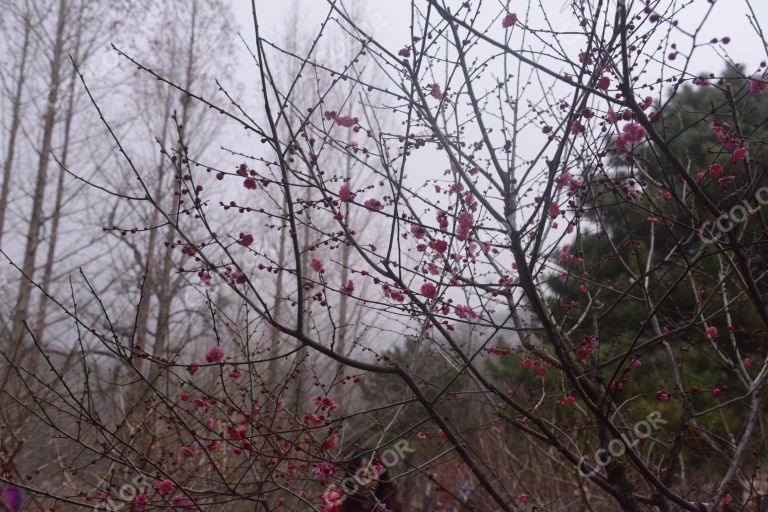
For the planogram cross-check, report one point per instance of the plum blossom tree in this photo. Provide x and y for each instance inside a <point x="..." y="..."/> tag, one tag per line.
<point x="508" y="141"/>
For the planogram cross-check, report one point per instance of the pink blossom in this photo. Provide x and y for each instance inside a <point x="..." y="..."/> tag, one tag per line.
<point x="757" y="86"/>
<point x="700" y="82"/>
<point x="716" y="170"/>
<point x="165" y="486"/>
<point x="331" y="442"/>
<point x="141" y="501"/>
<point x="465" y="312"/>
<point x="647" y="102"/>
<point x="725" y="134"/>
<point x="738" y="155"/>
<point x="588" y="345"/>
<point x="604" y="83"/>
<point x="373" y="204"/>
<point x="332" y="501"/>
<point x="464" y="221"/>
<point x="417" y="231"/>
<point x="633" y="133"/>
<point x="325" y="402"/>
<point x="577" y="127"/>
<point x="429" y="290"/>
<point x="237" y="433"/>
<point x="250" y="183"/>
<point x="324" y="471"/>
<point x="724" y="182"/>
<point x="421" y="436"/>
<point x="316" y="264"/>
<point x="192" y="368"/>
<point x="439" y="246"/>
<point x="397" y="296"/>
<point x="435" y="92"/>
<point x="345" y="193"/>
<point x="712" y="331"/>
<point x="349" y="288"/>
<point x="215" y="354"/>
<point x="495" y="429"/>
<point x="345" y="121"/>
<point x="314" y="420"/>
<point x="509" y="20"/>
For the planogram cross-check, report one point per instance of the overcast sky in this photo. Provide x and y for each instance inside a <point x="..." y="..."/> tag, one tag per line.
<point x="388" y="20"/>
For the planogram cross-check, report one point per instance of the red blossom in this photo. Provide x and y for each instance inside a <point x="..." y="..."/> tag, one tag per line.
<point x="245" y="240"/>
<point x="493" y="349"/>
<point x="716" y="170"/>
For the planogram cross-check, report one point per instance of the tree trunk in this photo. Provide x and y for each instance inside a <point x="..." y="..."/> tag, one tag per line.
<point x="14" y="129"/>
<point x="56" y="216"/>
<point x="21" y="309"/>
